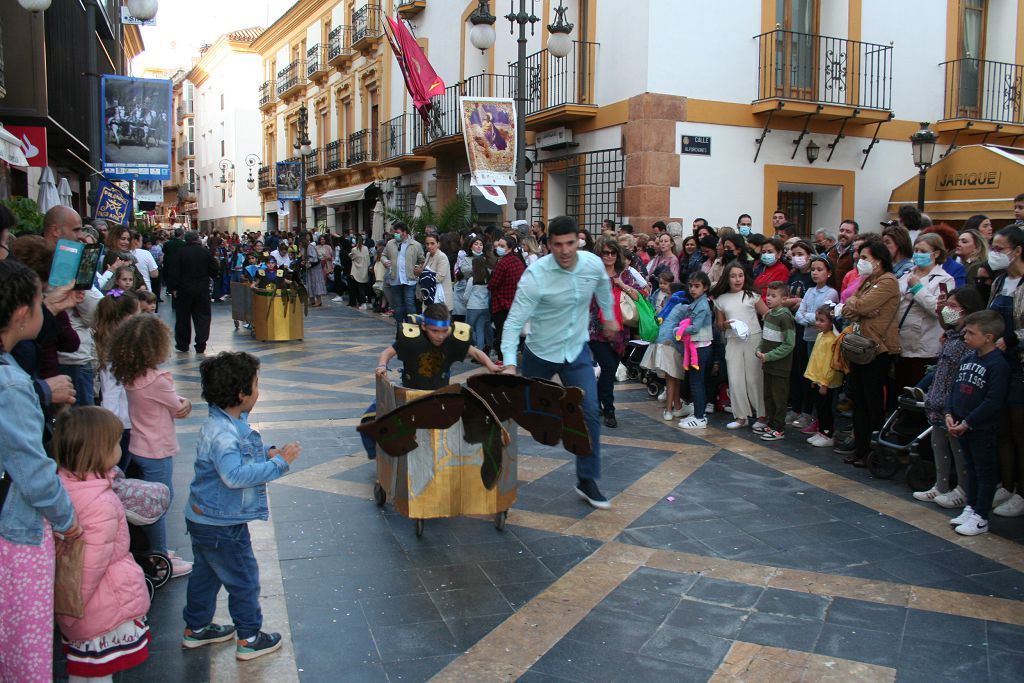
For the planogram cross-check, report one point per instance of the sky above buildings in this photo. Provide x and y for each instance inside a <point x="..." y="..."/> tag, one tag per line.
<point x="184" y="25"/>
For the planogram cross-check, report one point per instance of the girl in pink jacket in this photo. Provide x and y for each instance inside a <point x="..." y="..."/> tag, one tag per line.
<point x="138" y="347"/>
<point x="111" y="635"/>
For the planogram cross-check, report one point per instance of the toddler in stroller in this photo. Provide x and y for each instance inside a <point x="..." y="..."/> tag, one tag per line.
<point x="144" y="503"/>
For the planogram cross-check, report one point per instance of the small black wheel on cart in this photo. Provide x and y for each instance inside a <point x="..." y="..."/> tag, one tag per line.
<point x="379" y="495"/>
<point x="653" y="389"/>
<point x="160" y="569"/>
<point x="883" y="463"/>
<point x="419" y="528"/>
<point x="499" y="520"/>
<point x="149" y="587"/>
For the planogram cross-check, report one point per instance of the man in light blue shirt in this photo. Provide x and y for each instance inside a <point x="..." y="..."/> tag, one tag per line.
<point x="401" y="257"/>
<point x="554" y="294"/>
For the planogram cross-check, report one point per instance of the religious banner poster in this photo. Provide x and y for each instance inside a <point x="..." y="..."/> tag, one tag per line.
<point x="490" y="129"/>
<point x="112" y="203"/>
<point x="149" y="191"/>
<point x="136" y="136"/>
<point x="289" y="180"/>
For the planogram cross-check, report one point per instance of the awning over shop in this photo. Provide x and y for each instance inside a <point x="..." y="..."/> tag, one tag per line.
<point x="10" y="149"/>
<point x="970" y="180"/>
<point x="345" y="194"/>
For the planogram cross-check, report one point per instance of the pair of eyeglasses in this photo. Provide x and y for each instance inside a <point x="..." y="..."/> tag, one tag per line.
<point x="608" y="253"/>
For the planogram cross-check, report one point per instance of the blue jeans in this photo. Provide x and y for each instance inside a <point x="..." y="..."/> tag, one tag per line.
<point x="695" y="376"/>
<point x="157" y="469"/>
<point x="608" y="361"/>
<point x="223" y="557"/>
<point x="479" y="321"/>
<point x="403" y="302"/>
<point x="82" y="379"/>
<point x="578" y="373"/>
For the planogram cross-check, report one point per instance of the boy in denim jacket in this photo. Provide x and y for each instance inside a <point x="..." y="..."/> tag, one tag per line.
<point x="229" y="489"/>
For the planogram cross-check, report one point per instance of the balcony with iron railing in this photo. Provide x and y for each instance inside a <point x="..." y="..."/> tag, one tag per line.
<point x="339" y="46"/>
<point x="558" y="90"/>
<point x="399" y="137"/>
<point x="362" y="147"/>
<point x="983" y="95"/>
<point x="312" y="163"/>
<point x="265" y="177"/>
<point x="366" y="31"/>
<point x="334" y="156"/>
<point x="410" y="8"/>
<point x="802" y="73"/>
<point x="316" y="65"/>
<point x="185" y="108"/>
<point x="268" y="96"/>
<point x="291" y="79"/>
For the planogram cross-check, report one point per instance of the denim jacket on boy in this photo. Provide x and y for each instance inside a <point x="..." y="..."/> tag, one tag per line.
<point x="36" y="491"/>
<point x="231" y="473"/>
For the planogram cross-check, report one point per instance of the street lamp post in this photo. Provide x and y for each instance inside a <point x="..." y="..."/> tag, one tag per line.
<point x="304" y="148"/>
<point x="559" y="45"/>
<point x="922" y="144"/>
<point x="225" y="166"/>
<point x="252" y="161"/>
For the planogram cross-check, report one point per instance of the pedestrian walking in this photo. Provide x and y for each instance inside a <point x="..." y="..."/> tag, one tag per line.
<point x="188" y="281"/>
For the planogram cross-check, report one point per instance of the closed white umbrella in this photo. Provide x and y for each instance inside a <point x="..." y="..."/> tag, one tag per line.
<point x="421" y="201"/>
<point x="48" y="197"/>
<point x="377" y="225"/>
<point x="64" y="191"/>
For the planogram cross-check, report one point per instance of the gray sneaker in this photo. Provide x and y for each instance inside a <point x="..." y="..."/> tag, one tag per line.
<point x="262" y="644"/>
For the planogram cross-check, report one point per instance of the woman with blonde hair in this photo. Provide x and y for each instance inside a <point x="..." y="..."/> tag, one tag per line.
<point x="972" y="252"/>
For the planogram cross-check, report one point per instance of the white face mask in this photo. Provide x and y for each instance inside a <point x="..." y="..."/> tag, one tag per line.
<point x="950" y="316"/>
<point x="582" y="243"/>
<point x="865" y="267"/>
<point x="998" y="260"/>
<point x="799" y="262"/>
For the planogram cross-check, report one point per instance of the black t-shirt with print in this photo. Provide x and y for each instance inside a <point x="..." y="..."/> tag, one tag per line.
<point x="426" y="366"/>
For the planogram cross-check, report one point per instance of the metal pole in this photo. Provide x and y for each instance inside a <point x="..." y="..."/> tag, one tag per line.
<point x="920" y="188"/>
<point x="521" y="203"/>
<point x="93" y="99"/>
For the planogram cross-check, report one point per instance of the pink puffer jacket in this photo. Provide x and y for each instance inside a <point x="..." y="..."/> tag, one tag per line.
<point x="113" y="586"/>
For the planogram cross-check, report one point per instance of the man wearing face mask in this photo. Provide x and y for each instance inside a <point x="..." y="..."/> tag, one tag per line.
<point x="840" y="254"/>
<point x="401" y="256"/>
<point x="823" y="240"/>
<point x="744" y="224"/>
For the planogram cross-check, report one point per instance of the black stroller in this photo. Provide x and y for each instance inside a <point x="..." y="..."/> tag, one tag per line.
<point x="634" y="354"/>
<point x="904" y="441"/>
<point x="156" y="566"/>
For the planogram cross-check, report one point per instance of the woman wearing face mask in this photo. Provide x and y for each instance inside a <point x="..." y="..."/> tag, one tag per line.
<point x="586" y="242"/>
<point x="478" y="297"/>
<point x="800" y="282"/>
<point x="972" y="252"/>
<point x="873" y="307"/>
<point x="663" y="258"/>
<point x="503" y="283"/>
<point x="919" y="326"/>
<point x="1007" y="299"/>
<point x="769" y="267"/>
<point x="744" y="224"/>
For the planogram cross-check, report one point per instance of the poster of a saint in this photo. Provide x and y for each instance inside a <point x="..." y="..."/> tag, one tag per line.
<point x="489" y="128"/>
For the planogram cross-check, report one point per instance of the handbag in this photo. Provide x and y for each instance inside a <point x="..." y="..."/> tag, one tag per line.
<point x="630" y="315"/>
<point x="648" y="325"/>
<point x="858" y="349"/>
<point x="67" y="584"/>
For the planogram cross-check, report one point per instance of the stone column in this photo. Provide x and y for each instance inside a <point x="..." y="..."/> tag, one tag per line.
<point x="652" y="164"/>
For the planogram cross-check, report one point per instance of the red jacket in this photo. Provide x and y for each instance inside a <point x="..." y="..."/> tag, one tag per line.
<point x="775" y="272"/>
<point x="504" y="281"/>
<point x="113" y="587"/>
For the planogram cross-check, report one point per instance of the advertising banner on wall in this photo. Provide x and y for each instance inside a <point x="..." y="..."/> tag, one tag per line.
<point x="136" y="136"/>
<point x="289" y="180"/>
<point x="489" y="128"/>
<point x="149" y="191"/>
<point x="112" y="203"/>
<point x="33" y="143"/>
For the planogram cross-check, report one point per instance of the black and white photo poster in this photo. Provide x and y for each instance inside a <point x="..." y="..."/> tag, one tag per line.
<point x="136" y="128"/>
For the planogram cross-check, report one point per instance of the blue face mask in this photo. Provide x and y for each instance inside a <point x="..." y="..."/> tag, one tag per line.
<point x="745" y="230"/>
<point x="500" y="251"/>
<point x="768" y="259"/>
<point x="922" y="260"/>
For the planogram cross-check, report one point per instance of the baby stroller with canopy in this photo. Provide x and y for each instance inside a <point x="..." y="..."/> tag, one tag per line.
<point x="144" y="502"/>
<point x="904" y="441"/>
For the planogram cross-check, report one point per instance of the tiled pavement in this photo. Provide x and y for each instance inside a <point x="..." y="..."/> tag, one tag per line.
<point x="722" y="558"/>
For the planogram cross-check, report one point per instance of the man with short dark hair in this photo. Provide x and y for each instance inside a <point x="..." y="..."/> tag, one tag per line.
<point x="401" y="256"/>
<point x="188" y="281"/>
<point x="608" y="224"/>
<point x="659" y="227"/>
<point x="785" y="231"/>
<point x="778" y="218"/>
<point x="841" y="254"/>
<point x="554" y="294"/>
<point x="699" y="223"/>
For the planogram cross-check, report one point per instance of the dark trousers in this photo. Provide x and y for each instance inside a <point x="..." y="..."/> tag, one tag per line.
<point x="982" y="464"/>
<point x="801" y="400"/>
<point x="823" y="404"/>
<point x="223" y="557"/>
<point x="867" y="388"/>
<point x="156" y="289"/>
<point x="191" y="309"/>
<point x="1011" y="447"/>
<point x="776" y="396"/>
<point x="695" y="378"/>
<point x="608" y="361"/>
<point x="498" y="319"/>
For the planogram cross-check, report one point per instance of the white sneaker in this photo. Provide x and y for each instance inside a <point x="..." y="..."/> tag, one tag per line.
<point x="821" y="441"/>
<point x="791" y="415"/>
<point x="337" y="299"/>
<point x="967" y="513"/>
<point x="663" y="395"/>
<point x="927" y="496"/>
<point x="759" y="426"/>
<point x="685" y="411"/>
<point x="1014" y="507"/>
<point x="667" y="415"/>
<point x="709" y="408"/>
<point x="973" y="527"/>
<point x="951" y="499"/>
<point x="737" y="424"/>
<point x="180" y="567"/>
<point x="803" y="420"/>
<point x="694" y="423"/>
<point x="1002" y="495"/>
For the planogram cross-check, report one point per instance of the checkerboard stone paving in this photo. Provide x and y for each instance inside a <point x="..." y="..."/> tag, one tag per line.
<point x="720" y="560"/>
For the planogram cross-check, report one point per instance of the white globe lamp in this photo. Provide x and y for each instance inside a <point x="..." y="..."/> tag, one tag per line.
<point x="144" y="10"/>
<point x="482" y="36"/>
<point x="35" y="5"/>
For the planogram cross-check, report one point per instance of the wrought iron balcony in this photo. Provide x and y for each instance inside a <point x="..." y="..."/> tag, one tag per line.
<point x="400" y="136"/>
<point x="267" y="94"/>
<point x="366" y="26"/>
<point x="982" y="90"/>
<point x="265" y="177"/>
<point x="410" y="8"/>
<point x="316" y="65"/>
<point x="334" y="156"/>
<point x="823" y="70"/>
<point x="291" y="79"/>
<point x="339" y="46"/>
<point x="559" y="89"/>
<point x="445" y="118"/>
<point x="312" y="163"/>
<point x="362" y="147"/>
<point x="185" y="108"/>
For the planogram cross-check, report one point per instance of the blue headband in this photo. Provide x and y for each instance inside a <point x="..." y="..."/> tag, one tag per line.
<point x="435" y="323"/>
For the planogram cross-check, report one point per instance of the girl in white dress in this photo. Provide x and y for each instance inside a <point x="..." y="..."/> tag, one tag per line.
<point x="736" y="300"/>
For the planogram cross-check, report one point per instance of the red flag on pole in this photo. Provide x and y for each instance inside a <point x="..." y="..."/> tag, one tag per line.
<point x="421" y="80"/>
